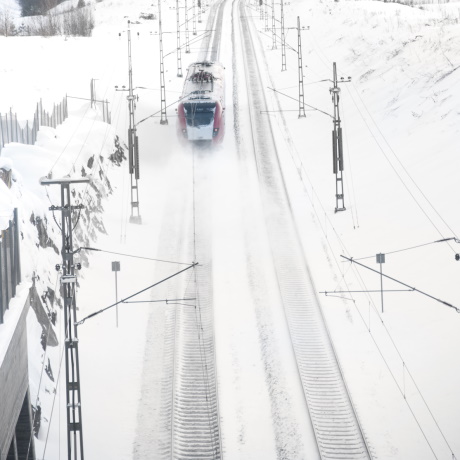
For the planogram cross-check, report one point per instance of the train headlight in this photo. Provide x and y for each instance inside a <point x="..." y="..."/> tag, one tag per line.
<point x="215" y="132"/>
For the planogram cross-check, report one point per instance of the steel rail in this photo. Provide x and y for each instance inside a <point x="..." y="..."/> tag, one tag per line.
<point x="336" y="426"/>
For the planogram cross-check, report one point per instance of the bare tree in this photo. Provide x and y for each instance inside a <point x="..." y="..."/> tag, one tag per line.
<point x="7" y="26"/>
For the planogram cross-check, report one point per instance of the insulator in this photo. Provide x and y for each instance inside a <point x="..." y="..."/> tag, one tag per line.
<point x="136" y="153"/>
<point x="334" y="152"/>
<point x="130" y="150"/>
<point x="340" y="145"/>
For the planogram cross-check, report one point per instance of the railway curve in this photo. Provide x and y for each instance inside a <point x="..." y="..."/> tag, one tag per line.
<point x="336" y="427"/>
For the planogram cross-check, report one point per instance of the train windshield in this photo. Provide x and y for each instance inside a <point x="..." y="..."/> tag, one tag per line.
<point x="199" y="113"/>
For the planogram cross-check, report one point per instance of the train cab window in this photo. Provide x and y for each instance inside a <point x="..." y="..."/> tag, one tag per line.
<point x="199" y="114"/>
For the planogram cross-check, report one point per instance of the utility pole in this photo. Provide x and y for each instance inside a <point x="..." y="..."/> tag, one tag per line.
<point x="133" y="143"/>
<point x="179" y="56"/>
<point x="194" y="17"/>
<point x="266" y="15"/>
<point x="381" y="260"/>
<point x="187" y="38"/>
<point x="301" y="88"/>
<point x="273" y="26"/>
<point x="337" y="145"/>
<point x="68" y="283"/>
<point x="283" y="39"/>
<point x="93" y="92"/>
<point x="116" y="269"/>
<point x="164" y="118"/>
<point x="199" y="11"/>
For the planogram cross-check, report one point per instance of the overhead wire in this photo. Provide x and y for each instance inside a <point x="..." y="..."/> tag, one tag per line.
<point x="39" y="386"/>
<point x="318" y="50"/>
<point x="383" y="324"/>
<point x="409" y="248"/>
<point x="102" y="310"/>
<point x="300" y="169"/>
<point x="134" y="256"/>
<point x="54" y="400"/>
<point x="198" y="309"/>
<point x="78" y="126"/>
<point x="403" y="182"/>
<point x="354" y="209"/>
<point x="401" y="164"/>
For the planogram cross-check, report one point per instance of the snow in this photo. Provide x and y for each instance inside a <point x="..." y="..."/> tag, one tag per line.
<point x="11" y="318"/>
<point x="400" y="122"/>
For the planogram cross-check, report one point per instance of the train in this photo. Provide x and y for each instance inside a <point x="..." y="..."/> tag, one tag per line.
<point x="201" y="110"/>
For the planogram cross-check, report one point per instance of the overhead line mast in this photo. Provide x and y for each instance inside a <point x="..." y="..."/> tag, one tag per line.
<point x="68" y="284"/>
<point x="337" y="144"/>
<point x="133" y="142"/>
<point x="179" y="56"/>
<point x="164" y="118"/>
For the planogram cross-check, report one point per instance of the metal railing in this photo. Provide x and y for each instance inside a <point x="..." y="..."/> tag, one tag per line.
<point x="10" y="265"/>
<point x="12" y="131"/>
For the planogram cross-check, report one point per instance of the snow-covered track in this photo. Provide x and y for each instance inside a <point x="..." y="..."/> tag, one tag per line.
<point x="195" y="426"/>
<point x="336" y="426"/>
<point x="195" y="430"/>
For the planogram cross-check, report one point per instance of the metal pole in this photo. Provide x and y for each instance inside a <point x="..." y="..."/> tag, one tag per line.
<point x="133" y="146"/>
<point x="194" y="17"/>
<point x="179" y="55"/>
<point x="164" y="117"/>
<point x="11" y="126"/>
<point x="301" y="87"/>
<point x="187" y="38"/>
<point x="116" y="294"/>
<point x="273" y="26"/>
<point x="266" y="15"/>
<point x="381" y="260"/>
<point x="68" y="284"/>
<point x="283" y="39"/>
<point x="337" y="146"/>
<point x="17" y="127"/>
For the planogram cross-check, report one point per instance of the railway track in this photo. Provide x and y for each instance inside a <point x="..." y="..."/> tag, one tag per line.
<point x="183" y="413"/>
<point x="336" y="427"/>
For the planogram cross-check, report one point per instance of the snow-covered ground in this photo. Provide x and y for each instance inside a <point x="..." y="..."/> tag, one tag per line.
<point x="400" y="123"/>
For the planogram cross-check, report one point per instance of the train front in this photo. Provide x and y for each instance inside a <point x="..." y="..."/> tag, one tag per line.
<point x="200" y="114"/>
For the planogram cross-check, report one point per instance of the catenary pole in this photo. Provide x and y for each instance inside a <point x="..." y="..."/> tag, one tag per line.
<point x="68" y="285"/>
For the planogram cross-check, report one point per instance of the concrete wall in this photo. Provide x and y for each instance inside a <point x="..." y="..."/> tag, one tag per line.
<point x="14" y="383"/>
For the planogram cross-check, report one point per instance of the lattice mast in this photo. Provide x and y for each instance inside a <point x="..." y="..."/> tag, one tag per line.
<point x="337" y="145"/>
<point x="133" y="143"/>
<point x="187" y="35"/>
<point x="283" y="39"/>
<point x="68" y="287"/>
<point x="300" y="64"/>
<point x="163" y="116"/>
<point x="179" y="55"/>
